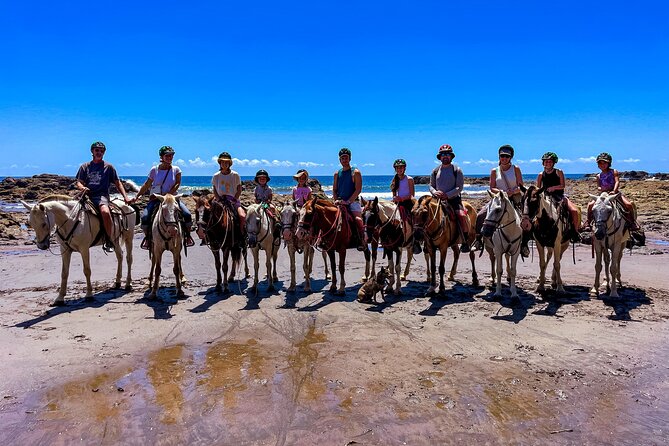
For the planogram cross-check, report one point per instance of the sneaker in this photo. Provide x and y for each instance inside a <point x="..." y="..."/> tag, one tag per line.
<point x="524" y="251"/>
<point x="464" y="248"/>
<point x="416" y="248"/>
<point x="108" y="246"/>
<point x="145" y="243"/>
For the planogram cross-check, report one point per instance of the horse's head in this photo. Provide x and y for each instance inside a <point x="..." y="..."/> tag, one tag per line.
<point x="169" y="213"/>
<point x="289" y="215"/>
<point x="531" y="204"/>
<point x="494" y="213"/>
<point x="602" y="211"/>
<point x="306" y="218"/>
<point x="253" y="223"/>
<point x="370" y="216"/>
<point x="38" y="220"/>
<point x="420" y="213"/>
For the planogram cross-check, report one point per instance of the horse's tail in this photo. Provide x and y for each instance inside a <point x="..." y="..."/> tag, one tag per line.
<point x="236" y="254"/>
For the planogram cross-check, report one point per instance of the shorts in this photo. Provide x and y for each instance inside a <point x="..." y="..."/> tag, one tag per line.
<point x="98" y="201"/>
<point x="355" y="207"/>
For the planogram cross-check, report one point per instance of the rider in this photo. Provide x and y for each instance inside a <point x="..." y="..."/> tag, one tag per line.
<point x="227" y="185"/>
<point x="163" y="179"/>
<point x="404" y="190"/>
<point x="263" y="195"/>
<point x="301" y="192"/>
<point x="94" y="178"/>
<point x="609" y="181"/>
<point x="552" y="181"/>
<point x="507" y="177"/>
<point x="346" y="188"/>
<point x="446" y="184"/>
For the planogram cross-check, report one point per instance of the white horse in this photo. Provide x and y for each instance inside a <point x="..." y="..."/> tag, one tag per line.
<point x="289" y="217"/>
<point x="259" y="229"/>
<point x="548" y="228"/>
<point x="166" y="236"/>
<point x="77" y="230"/>
<point x="502" y="237"/>
<point x="610" y="239"/>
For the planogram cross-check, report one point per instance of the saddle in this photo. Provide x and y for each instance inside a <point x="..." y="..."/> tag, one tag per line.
<point x="448" y="210"/>
<point x="348" y="219"/>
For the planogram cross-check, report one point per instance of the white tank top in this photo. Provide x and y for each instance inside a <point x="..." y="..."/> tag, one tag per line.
<point x="506" y="180"/>
<point x="403" y="189"/>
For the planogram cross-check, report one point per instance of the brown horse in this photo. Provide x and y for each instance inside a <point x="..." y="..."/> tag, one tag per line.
<point x="439" y="229"/>
<point x="330" y="227"/>
<point x="222" y="234"/>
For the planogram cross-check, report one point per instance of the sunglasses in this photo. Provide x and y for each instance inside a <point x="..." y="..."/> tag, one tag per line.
<point x="505" y="156"/>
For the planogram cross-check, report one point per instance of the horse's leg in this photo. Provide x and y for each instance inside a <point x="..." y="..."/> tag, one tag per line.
<point x="493" y="267"/>
<point x="223" y="264"/>
<point x="498" y="273"/>
<point x="66" y="256"/>
<point x="543" y="260"/>
<point x="178" y="273"/>
<point x="333" y="266"/>
<point x="607" y="266"/>
<point x="432" y="273"/>
<point x="367" y="266"/>
<point x="442" y="268"/>
<point x="557" y="278"/>
<point x="342" y="267"/>
<point x="157" y="259"/>
<point x="308" y="254"/>
<point x="127" y="238"/>
<point x="512" y="274"/>
<point x="328" y="276"/>
<point x="454" y="265"/>
<point x="247" y="273"/>
<point x="508" y="269"/>
<point x="594" y="291"/>
<point x="615" y="270"/>
<point x="397" y="272"/>
<point x="275" y="256"/>
<point x="217" y="265"/>
<point x="406" y="268"/>
<point x="269" y="256"/>
<point x="475" y="276"/>
<point x="256" y="266"/>
<point x="119" y="263"/>
<point x="619" y="262"/>
<point x="291" y="256"/>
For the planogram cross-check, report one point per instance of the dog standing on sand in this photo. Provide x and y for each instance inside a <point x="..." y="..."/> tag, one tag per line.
<point x="367" y="292"/>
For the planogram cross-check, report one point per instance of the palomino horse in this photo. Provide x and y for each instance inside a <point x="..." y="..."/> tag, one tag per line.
<point x="259" y="228"/>
<point x="331" y="228"/>
<point x="289" y="216"/>
<point x="77" y="230"/>
<point x="432" y="222"/>
<point x="222" y="234"/>
<point x="610" y="239"/>
<point x="549" y="222"/>
<point x="385" y="226"/>
<point x="166" y="236"/>
<point x="502" y="236"/>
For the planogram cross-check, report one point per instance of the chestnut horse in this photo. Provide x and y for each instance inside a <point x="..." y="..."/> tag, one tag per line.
<point x="331" y="228"/>
<point x="440" y="231"/>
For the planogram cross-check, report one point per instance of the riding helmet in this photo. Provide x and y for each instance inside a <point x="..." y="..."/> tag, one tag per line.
<point x="345" y="151"/>
<point x="164" y="150"/>
<point x="550" y="156"/>
<point x="446" y="149"/>
<point x="98" y="145"/>
<point x="506" y="150"/>
<point x="605" y="157"/>
<point x="262" y="173"/>
<point x="224" y="156"/>
<point x="399" y="162"/>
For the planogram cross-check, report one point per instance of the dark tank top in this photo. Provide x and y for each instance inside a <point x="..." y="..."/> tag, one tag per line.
<point x="552" y="179"/>
<point x="345" y="184"/>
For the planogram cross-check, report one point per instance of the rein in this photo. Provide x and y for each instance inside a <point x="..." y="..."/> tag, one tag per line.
<point x="500" y="228"/>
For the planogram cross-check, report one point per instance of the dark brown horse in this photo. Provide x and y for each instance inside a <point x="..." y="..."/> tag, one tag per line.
<point x="329" y="227"/>
<point x="222" y="234"/>
<point x="439" y="229"/>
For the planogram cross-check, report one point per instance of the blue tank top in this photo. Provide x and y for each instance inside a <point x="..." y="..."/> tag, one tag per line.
<point x="607" y="181"/>
<point x="345" y="184"/>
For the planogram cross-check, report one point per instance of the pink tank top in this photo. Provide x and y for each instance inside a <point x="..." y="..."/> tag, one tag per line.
<point x="300" y="193"/>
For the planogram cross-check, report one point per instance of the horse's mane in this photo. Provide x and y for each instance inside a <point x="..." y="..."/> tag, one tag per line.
<point x="56" y="197"/>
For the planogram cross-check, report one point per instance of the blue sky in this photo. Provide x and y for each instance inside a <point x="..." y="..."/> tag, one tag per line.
<point x="284" y="85"/>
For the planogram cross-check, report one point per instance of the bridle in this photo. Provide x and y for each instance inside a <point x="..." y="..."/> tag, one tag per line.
<point x="430" y="219"/>
<point x="499" y="227"/>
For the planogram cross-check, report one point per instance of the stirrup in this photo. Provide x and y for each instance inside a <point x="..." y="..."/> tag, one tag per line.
<point x="108" y="246"/>
<point x="188" y="241"/>
<point x="145" y="243"/>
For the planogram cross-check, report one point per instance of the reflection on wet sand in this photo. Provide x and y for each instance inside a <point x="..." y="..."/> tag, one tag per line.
<point x="166" y="370"/>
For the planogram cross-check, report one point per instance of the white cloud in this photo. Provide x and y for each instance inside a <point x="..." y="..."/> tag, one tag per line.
<point x="482" y="162"/>
<point x="128" y="164"/>
<point x="30" y="166"/>
<point x="565" y="160"/>
<point x="464" y="162"/>
<point x="180" y="162"/>
<point x="13" y="166"/>
<point x="630" y="160"/>
<point x="367" y="165"/>
<point x="535" y="160"/>
<point x="309" y="164"/>
<point x="589" y="159"/>
<point x="198" y="162"/>
<point x="262" y="162"/>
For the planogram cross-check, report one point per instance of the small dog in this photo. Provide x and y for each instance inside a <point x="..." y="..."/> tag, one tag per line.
<point x="376" y="283"/>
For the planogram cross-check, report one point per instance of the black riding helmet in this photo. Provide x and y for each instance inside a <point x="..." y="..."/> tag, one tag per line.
<point x="506" y="150"/>
<point x="399" y="162"/>
<point x="165" y="150"/>
<point x="345" y="151"/>
<point x="261" y="173"/>
<point x="550" y="156"/>
<point x="98" y="145"/>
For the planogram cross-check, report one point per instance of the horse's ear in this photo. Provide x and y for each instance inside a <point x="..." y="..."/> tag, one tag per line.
<point x="26" y="205"/>
<point x="376" y="200"/>
<point x="490" y="193"/>
<point x="613" y="197"/>
<point x="159" y="197"/>
<point x="593" y="196"/>
<point x="540" y="191"/>
<point x="41" y="207"/>
<point x="522" y="188"/>
<point x="178" y="195"/>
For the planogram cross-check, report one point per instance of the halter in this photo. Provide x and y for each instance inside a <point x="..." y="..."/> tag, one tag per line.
<point x="614" y="223"/>
<point x="254" y="233"/>
<point x="383" y="225"/>
<point x="434" y="218"/>
<point x="209" y="228"/>
<point x="500" y="229"/>
<point x="336" y="226"/>
<point x="163" y="225"/>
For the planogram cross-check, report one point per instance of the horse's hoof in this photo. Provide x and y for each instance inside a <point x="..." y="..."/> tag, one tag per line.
<point x="363" y="279"/>
<point x="218" y="288"/>
<point x="475" y="283"/>
<point x="593" y="292"/>
<point x="451" y="278"/>
<point x="271" y="289"/>
<point x="341" y="293"/>
<point x="307" y="289"/>
<point x="181" y="295"/>
<point x="117" y="285"/>
<point x="128" y="288"/>
<point x="89" y="298"/>
<point x="332" y="290"/>
<point x="58" y="303"/>
<point x="403" y="277"/>
<point x="540" y="288"/>
<point x="291" y="289"/>
<point x="152" y="297"/>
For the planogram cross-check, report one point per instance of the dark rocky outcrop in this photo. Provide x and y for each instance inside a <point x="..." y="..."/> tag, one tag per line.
<point x="39" y="186"/>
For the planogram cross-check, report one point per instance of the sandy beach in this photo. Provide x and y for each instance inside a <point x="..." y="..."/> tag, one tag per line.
<point x="296" y="368"/>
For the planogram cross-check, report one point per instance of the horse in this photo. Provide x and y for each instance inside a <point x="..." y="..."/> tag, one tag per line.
<point x="432" y="222"/>
<point x="289" y="216"/>
<point x="222" y="235"/>
<point x="609" y="239"/>
<point x="548" y="220"/>
<point x="259" y="228"/>
<point x="330" y="227"/>
<point x="385" y="226"/>
<point x="502" y="237"/>
<point x="77" y="230"/>
<point x="166" y="236"/>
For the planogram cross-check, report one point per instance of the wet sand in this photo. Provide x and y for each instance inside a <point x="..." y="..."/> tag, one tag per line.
<point x="292" y="368"/>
